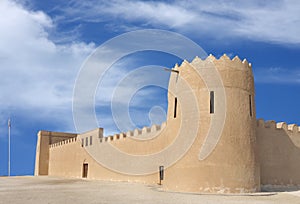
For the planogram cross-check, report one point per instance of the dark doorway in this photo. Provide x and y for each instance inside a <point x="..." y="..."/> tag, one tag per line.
<point x="85" y="170"/>
<point x="161" y="174"/>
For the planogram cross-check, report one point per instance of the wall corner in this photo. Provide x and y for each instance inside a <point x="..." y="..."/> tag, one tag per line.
<point x="42" y="154"/>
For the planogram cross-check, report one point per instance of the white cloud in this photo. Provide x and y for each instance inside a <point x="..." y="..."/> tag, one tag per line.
<point x="277" y="75"/>
<point x="36" y="74"/>
<point x="270" y="21"/>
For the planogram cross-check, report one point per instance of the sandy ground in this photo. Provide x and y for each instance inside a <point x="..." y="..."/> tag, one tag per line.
<point x="57" y="190"/>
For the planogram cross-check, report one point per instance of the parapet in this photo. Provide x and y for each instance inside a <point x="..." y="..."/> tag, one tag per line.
<point x="234" y="73"/>
<point x="136" y="133"/>
<point x="56" y="134"/>
<point x="56" y="137"/>
<point x="223" y="61"/>
<point x="60" y="143"/>
<point x="293" y="128"/>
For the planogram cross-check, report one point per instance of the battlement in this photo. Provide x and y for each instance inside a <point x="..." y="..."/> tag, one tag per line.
<point x="293" y="128"/>
<point x="145" y="132"/>
<point x="63" y="142"/>
<point x="224" y="61"/>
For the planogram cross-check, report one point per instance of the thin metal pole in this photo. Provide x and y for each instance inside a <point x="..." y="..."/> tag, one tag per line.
<point x="9" y="147"/>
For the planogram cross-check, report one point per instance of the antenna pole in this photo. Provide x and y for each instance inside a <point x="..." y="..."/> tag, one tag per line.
<point x="9" y="125"/>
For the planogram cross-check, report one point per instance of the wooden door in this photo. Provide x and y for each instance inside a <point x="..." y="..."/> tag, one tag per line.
<point x="85" y="170"/>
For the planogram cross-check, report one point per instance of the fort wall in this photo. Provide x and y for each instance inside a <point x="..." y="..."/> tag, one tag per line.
<point x="67" y="158"/>
<point x="232" y="166"/>
<point x="279" y="153"/>
<point x="44" y="140"/>
<point x="247" y="154"/>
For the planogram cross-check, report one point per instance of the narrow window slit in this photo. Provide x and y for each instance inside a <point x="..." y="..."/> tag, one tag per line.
<point x="212" y="102"/>
<point x="250" y="105"/>
<point x="175" y="107"/>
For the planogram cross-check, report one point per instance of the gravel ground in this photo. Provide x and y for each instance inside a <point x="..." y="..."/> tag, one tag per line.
<point x="32" y="190"/>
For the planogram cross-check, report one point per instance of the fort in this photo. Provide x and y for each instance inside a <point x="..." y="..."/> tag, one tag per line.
<point x="211" y="141"/>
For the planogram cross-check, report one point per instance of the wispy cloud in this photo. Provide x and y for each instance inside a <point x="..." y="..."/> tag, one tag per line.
<point x="277" y="75"/>
<point x="269" y="21"/>
<point x="38" y="66"/>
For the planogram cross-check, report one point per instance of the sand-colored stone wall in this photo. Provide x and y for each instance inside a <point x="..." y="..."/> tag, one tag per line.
<point x="279" y="153"/>
<point x="44" y="139"/>
<point x="232" y="165"/>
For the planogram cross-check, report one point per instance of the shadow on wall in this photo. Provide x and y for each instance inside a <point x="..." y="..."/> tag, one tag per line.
<point x="279" y="155"/>
<point x="279" y="188"/>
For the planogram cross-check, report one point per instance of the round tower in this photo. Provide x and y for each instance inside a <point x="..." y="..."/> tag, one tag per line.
<point x="222" y="158"/>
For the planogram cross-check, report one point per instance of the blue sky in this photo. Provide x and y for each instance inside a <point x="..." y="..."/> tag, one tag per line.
<point x="44" y="43"/>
